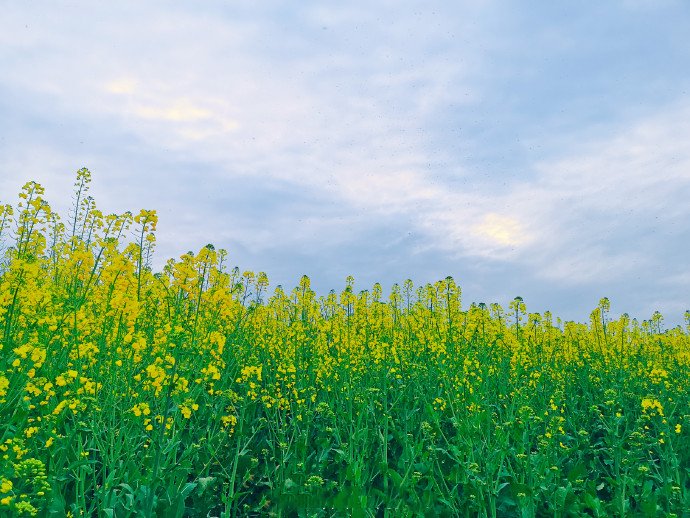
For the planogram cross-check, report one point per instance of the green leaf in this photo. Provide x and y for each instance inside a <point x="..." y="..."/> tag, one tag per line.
<point x="289" y="485"/>
<point x="560" y="498"/>
<point x="577" y="472"/>
<point x="396" y="478"/>
<point x="341" y="501"/>
<point x="187" y="489"/>
<point x="204" y="482"/>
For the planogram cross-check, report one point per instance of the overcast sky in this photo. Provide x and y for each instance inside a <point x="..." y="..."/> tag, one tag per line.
<point x="537" y="149"/>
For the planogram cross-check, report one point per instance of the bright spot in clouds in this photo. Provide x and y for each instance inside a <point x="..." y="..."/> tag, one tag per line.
<point x="501" y="230"/>
<point x="121" y="86"/>
<point x="179" y="111"/>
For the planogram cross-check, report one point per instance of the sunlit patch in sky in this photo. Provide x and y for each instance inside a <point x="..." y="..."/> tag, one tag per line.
<point x="180" y="111"/>
<point x="502" y="230"/>
<point x="121" y="86"/>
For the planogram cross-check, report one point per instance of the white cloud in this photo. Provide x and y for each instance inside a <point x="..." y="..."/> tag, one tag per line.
<point x="586" y="206"/>
<point x="125" y="85"/>
<point x="502" y="230"/>
<point x="356" y="109"/>
<point x="179" y="111"/>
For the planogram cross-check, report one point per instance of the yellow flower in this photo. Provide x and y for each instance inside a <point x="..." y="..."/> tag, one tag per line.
<point x="229" y="422"/>
<point x="141" y="409"/>
<point x="187" y="410"/>
<point x="4" y="385"/>
<point x="439" y="404"/>
<point x="6" y="486"/>
<point x="652" y="407"/>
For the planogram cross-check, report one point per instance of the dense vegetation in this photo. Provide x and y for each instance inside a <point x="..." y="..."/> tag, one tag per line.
<point x="192" y="392"/>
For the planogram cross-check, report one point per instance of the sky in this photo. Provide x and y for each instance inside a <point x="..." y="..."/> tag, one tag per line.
<point x="533" y="149"/>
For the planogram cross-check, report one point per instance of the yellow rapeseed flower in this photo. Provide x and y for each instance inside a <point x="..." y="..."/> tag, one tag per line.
<point x="652" y="406"/>
<point x="6" y="486"/>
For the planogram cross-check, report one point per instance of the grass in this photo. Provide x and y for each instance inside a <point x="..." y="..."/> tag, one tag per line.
<point x="192" y="392"/>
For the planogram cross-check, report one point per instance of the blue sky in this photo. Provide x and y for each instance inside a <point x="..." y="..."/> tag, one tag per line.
<point x="532" y="149"/>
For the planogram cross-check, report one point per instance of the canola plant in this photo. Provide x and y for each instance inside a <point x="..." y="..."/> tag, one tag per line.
<point x="194" y="392"/>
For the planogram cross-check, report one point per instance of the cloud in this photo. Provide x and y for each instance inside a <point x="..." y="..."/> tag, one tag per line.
<point x="131" y="99"/>
<point x="502" y="230"/>
<point x="466" y="137"/>
<point x="600" y="212"/>
<point x="180" y="111"/>
<point x="121" y="86"/>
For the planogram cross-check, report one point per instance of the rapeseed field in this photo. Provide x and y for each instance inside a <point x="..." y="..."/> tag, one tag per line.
<point x="193" y="391"/>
